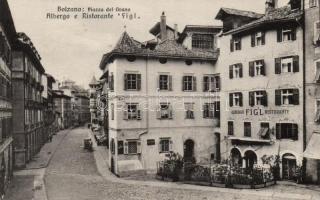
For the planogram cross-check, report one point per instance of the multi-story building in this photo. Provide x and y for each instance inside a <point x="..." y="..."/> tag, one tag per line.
<point x="79" y="102"/>
<point x="62" y="104"/>
<point x="48" y="113"/>
<point x="7" y="39"/>
<point x="261" y="62"/>
<point x="163" y="95"/>
<point x="94" y="95"/>
<point x="27" y="74"/>
<point x="312" y="89"/>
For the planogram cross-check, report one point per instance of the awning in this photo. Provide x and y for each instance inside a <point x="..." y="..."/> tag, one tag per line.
<point x="312" y="150"/>
<point x="246" y="140"/>
<point x="263" y="132"/>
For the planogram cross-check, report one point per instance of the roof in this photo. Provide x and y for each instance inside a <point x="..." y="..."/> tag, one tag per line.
<point x="202" y="28"/>
<point x="126" y="46"/>
<point x="156" y="29"/>
<point x="282" y="14"/>
<point x="312" y="150"/>
<point x="24" y="44"/>
<point x="205" y="29"/>
<point x="51" y="78"/>
<point x="230" y="11"/>
<point x="93" y="81"/>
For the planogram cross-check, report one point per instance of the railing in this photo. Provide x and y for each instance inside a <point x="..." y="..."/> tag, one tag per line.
<point x="220" y="175"/>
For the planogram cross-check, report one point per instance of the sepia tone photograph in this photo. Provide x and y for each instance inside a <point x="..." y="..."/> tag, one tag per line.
<point x="159" y="100"/>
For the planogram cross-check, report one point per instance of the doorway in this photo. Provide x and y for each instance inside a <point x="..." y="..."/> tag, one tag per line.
<point x="188" y="153"/>
<point x="250" y="159"/>
<point x="288" y="166"/>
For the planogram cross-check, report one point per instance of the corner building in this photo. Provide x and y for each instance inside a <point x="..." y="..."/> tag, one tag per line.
<point x="162" y="97"/>
<point x="261" y="62"/>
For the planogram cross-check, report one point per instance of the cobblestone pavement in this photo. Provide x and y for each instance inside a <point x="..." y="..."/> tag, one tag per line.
<point x="73" y="175"/>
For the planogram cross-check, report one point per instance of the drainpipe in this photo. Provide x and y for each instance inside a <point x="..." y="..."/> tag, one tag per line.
<point x="304" y="161"/>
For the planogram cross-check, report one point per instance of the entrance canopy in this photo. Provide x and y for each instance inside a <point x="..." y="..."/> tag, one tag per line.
<point x="312" y="150"/>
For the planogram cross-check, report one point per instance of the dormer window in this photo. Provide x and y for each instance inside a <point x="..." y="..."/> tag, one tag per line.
<point x="202" y="41"/>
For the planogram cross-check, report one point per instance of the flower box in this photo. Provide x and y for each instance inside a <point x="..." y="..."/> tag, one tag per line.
<point x="239" y="186"/>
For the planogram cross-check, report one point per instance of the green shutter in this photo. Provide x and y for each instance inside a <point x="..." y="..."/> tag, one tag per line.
<point x="125" y="83"/>
<point x="231" y="71"/>
<point x="279" y="35"/>
<point x="231" y="45"/>
<point x="277" y="65"/>
<point x="295" y="64"/>
<point x="253" y="39"/>
<point x="240" y="99"/>
<point x="205" y="83"/>
<point x="263" y="38"/>
<point x="296" y="96"/>
<point x="278" y="97"/>
<point x="263" y="69"/>
<point x="138" y="81"/>
<point x="231" y="100"/>
<point x="241" y="70"/>
<point x="251" y="99"/>
<point x="251" y="68"/>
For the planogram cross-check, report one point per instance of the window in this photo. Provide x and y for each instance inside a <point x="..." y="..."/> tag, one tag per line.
<point x="286" y="34"/>
<point x="211" y="110"/>
<point x="258" y="39"/>
<point x="258" y="98"/>
<point x="132" y="81"/>
<point x="287" y="131"/>
<point x="235" y="71"/>
<point x="287" y="97"/>
<point x="235" y="99"/>
<point x="230" y="128"/>
<point x="287" y="64"/>
<point x="247" y="129"/>
<point x="202" y="41"/>
<point x="189" y="83"/>
<point x="165" y="82"/>
<point x="120" y="147"/>
<point x="132" y="147"/>
<point x="165" y="145"/>
<point x="317" y="111"/>
<point x="256" y="68"/>
<point x="211" y="83"/>
<point x="111" y="82"/>
<point x="112" y="111"/>
<point x="189" y="110"/>
<point x="235" y="44"/>
<point x="165" y="111"/>
<point x="132" y="112"/>
<point x="312" y="3"/>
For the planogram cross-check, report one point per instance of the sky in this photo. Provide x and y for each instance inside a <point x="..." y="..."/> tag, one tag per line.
<point x="72" y="49"/>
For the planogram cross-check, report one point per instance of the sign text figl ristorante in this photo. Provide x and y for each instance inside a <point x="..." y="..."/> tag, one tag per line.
<point x="259" y="111"/>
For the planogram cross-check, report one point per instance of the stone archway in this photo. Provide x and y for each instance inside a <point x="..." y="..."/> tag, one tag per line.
<point x="236" y="157"/>
<point x="289" y="164"/>
<point x="250" y="158"/>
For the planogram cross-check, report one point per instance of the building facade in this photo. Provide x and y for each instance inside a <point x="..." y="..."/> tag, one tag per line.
<point x="162" y="97"/>
<point x="261" y="63"/>
<point x="7" y="38"/>
<point x="63" y="109"/>
<point x="27" y="96"/>
<point x="312" y="90"/>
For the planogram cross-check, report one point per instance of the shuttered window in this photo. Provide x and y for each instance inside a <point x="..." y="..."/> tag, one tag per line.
<point x="132" y="81"/>
<point x="287" y="97"/>
<point x="287" y="131"/>
<point x="165" y="82"/>
<point x="258" y="98"/>
<point x="258" y="38"/>
<point x="257" y="68"/>
<point x="235" y="71"/>
<point x="235" y="99"/>
<point x="211" y="83"/>
<point x="189" y="83"/>
<point x="286" y="34"/>
<point x="287" y="65"/>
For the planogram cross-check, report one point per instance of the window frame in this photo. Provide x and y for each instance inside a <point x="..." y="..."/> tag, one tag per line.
<point x="189" y="113"/>
<point x="164" y="145"/>
<point x="188" y="83"/>
<point x="230" y="128"/>
<point x="202" y="41"/>
<point x="163" y="82"/>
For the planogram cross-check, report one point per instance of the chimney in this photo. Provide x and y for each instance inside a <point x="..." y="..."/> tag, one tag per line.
<point x="163" y="27"/>
<point x="271" y="4"/>
<point x="175" y="31"/>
